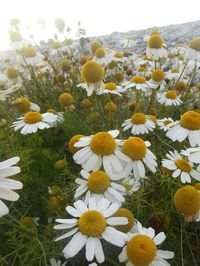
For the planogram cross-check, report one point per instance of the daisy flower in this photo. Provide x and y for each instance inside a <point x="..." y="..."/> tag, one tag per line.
<point x="137" y="150"/>
<point x="137" y="82"/>
<point x="92" y="73"/>
<point x="187" y="202"/>
<point x="193" y="154"/>
<point x="139" y="123"/>
<point x="118" y="57"/>
<point x="7" y="185"/>
<point x="98" y="149"/>
<point x="101" y="57"/>
<point x="131" y="184"/>
<point x="30" y="56"/>
<point x="23" y="105"/>
<point x="193" y="51"/>
<point x="32" y="121"/>
<point x="157" y="80"/>
<point x="128" y="42"/>
<point x="53" y="262"/>
<point x="100" y="185"/>
<point x="164" y="123"/>
<point x="141" y="248"/>
<point x="111" y="88"/>
<point x="172" y="74"/>
<point x="187" y="127"/>
<point x="60" y="116"/>
<point x="89" y="224"/>
<point x="155" y="48"/>
<point x="169" y="98"/>
<point x="180" y="167"/>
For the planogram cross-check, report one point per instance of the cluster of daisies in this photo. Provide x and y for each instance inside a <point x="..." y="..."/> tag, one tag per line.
<point x="109" y="166"/>
<point x="85" y="74"/>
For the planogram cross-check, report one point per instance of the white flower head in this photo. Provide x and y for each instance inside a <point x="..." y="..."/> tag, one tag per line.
<point x="32" y="121"/>
<point x="91" y="222"/>
<point x="100" y="149"/>
<point x="7" y="185"/>
<point x="141" y="248"/>
<point x="180" y="167"/>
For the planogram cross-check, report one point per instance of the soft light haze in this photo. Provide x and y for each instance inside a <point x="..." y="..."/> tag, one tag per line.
<point x="97" y="17"/>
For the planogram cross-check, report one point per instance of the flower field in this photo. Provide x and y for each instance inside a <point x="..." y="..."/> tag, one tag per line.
<point x="99" y="152"/>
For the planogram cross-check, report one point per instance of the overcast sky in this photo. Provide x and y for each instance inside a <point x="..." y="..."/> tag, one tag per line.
<point x="98" y="17"/>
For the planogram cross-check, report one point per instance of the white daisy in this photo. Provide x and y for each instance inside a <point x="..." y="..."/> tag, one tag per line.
<point x="157" y="80"/>
<point x="7" y="185"/>
<point x="128" y="42"/>
<point x="98" y="149"/>
<point x="111" y="88"/>
<point x="164" y="123"/>
<point x="102" y="57"/>
<point x="32" y="121"/>
<point x="137" y="150"/>
<point x="53" y="262"/>
<point x="137" y="82"/>
<point x="172" y="74"/>
<point x="139" y="123"/>
<point x="193" y="51"/>
<point x="180" y="167"/>
<point x="155" y="48"/>
<point x="92" y="73"/>
<point x="90" y="223"/>
<point x="30" y="57"/>
<point x="169" y="98"/>
<point x="193" y="155"/>
<point x="100" y="185"/>
<point x="141" y="248"/>
<point x="187" y="127"/>
<point x="131" y="184"/>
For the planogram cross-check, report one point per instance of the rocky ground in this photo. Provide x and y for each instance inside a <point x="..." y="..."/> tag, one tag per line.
<point x="173" y="34"/>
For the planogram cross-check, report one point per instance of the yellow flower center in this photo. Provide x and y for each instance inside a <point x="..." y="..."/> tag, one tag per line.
<point x="119" y="76"/>
<point x="112" y="64"/>
<point x="183" y="165"/>
<point x="71" y="143"/>
<point x="141" y="250"/>
<point x="195" y="44"/>
<point x="32" y="117"/>
<point x="53" y="111"/>
<point x="27" y="221"/>
<point x="110" y="86"/>
<point x="56" y="45"/>
<point x="92" y="72"/>
<point x="22" y="105"/>
<point x="167" y="122"/>
<point x="92" y="223"/>
<point x="12" y="72"/>
<point x="174" y="70"/>
<point x="190" y="120"/>
<point x="98" y="182"/>
<point x="100" y="52"/>
<point x="110" y="107"/>
<point x="153" y="119"/>
<point x="83" y="59"/>
<point x="65" y="65"/>
<point x="180" y="86"/>
<point x="158" y="75"/>
<point x="154" y="32"/>
<point x="103" y="143"/>
<point x="155" y="42"/>
<point x="187" y="200"/>
<point x="86" y="103"/>
<point x="171" y="94"/>
<point x="197" y="186"/>
<point x="138" y="79"/>
<point x="95" y="45"/>
<point x="66" y="99"/>
<point x="29" y="52"/>
<point x="118" y="55"/>
<point x="138" y="118"/>
<point x="123" y="212"/>
<point x="135" y="148"/>
<point x="15" y="36"/>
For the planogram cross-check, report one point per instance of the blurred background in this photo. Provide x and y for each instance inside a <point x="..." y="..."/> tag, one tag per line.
<point x="96" y="17"/>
